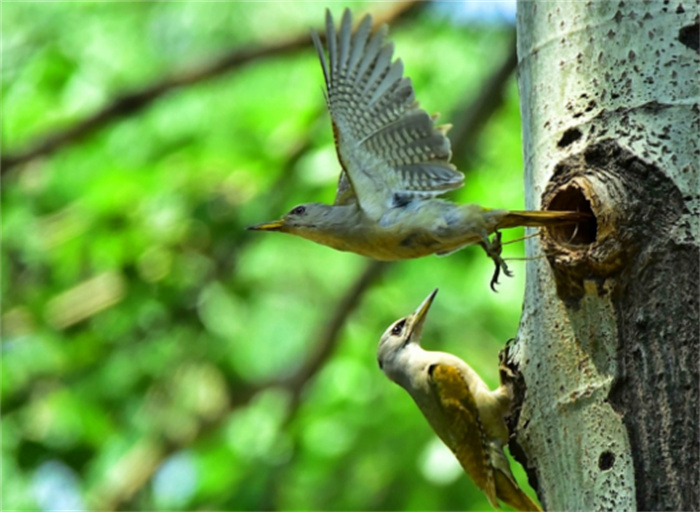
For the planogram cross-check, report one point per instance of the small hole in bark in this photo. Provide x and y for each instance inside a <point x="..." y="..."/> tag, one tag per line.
<point x="570" y="136"/>
<point x="690" y="36"/>
<point x="585" y="232"/>
<point x="606" y="461"/>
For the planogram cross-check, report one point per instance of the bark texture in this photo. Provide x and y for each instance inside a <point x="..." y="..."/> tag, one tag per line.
<point x="606" y="362"/>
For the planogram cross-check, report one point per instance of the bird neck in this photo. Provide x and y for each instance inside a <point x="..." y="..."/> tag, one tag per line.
<point x="339" y="229"/>
<point x="404" y="364"/>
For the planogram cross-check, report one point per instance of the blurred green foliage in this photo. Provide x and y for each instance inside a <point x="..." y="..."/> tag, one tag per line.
<point x="142" y="326"/>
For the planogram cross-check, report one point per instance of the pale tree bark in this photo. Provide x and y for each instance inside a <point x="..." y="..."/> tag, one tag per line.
<point x="606" y="359"/>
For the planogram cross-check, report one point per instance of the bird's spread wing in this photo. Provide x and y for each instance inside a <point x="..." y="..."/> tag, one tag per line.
<point x="467" y="438"/>
<point x="389" y="148"/>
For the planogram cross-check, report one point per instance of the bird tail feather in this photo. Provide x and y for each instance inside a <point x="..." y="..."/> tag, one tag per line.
<point x="541" y="218"/>
<point x="509" y="492"/>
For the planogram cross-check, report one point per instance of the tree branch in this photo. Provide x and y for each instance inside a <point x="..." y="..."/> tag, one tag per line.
<point x="154" y="450"/>
<point x="471" y="117"/>
<point x="329" y="332"/>
<point x="130" y="103"/>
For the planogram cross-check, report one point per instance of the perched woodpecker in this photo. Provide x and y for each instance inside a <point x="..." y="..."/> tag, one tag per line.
<point x="464" y="413"/>
<point x="395" y="161"/>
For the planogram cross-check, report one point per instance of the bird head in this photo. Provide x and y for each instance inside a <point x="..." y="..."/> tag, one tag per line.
<point x="401" y="334"/>
<point x="304" y="220"/>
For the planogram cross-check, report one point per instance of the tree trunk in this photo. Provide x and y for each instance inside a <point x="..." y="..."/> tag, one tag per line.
<point x="606" y="359"/>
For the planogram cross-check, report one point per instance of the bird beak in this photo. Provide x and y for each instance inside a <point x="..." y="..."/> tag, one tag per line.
<point x="275" y="225"/>
<point x="419" y="316"/>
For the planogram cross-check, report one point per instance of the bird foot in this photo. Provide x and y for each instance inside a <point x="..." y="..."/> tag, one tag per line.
<point x="493" y="249"/>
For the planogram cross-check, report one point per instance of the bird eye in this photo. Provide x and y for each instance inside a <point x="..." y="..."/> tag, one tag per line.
<point x="398" y="328"/>
<point x="299" y="210"/>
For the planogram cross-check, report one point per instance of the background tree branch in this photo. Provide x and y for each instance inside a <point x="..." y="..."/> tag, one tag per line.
<point x="471" y="116"/>
<point x="133" y="102"/>
<point x="148" y="453"/>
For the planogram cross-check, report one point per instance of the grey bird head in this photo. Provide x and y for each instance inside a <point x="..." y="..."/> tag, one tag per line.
<point x="303" y="220"/>
<point x="401" y="338"/>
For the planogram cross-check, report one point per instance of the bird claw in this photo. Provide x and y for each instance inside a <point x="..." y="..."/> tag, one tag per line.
<point x="493" y="249"/>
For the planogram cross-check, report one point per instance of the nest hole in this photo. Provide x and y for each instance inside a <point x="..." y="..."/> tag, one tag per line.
<point x="606" y="461"/>
<point x="583" y="233"/>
